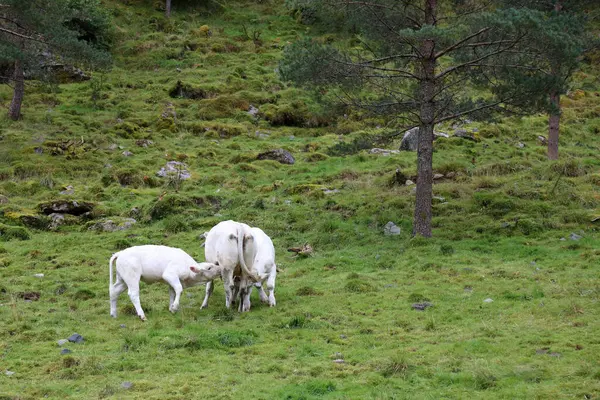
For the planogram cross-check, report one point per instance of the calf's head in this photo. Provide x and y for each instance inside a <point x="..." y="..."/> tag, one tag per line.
<point x="204" y="272"/>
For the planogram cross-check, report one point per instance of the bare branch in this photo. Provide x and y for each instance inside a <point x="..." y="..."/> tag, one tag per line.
<point x="460" y="42"/>
<point x="475" y="61"/>
<point x="472" y="110"/>
<point x="20" y="35"/>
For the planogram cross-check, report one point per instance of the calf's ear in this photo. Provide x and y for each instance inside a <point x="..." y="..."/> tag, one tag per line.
<point x="194" y="269"/>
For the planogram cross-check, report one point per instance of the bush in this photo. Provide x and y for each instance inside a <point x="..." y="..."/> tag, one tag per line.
<point x="176" y="224"/>
<point x="8" y="232"/>
<point x="168" y="205"/>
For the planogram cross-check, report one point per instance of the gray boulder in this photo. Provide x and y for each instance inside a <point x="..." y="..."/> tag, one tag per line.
<point x="410" y="140"/>
<point x="113" y="225"/>
<point x="280" y="155"/>
<point x="175" y="169"/>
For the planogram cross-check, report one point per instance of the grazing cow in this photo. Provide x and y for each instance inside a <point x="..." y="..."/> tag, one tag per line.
<point x="264" y="263"/>
<point x="231" y="245"/>
<point x="156" y="263"/>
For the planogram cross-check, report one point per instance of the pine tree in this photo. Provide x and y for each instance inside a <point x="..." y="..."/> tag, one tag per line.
<point x="75" y="31"/>
<point x="416" y="60"/>
<point x="560" y="42"/>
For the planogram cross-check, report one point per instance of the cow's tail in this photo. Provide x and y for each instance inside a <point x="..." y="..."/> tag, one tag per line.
<point x="110" y="269"/>
<point x="241" y="239"/>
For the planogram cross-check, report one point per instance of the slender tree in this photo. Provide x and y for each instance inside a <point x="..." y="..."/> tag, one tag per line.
<point x="168" y="8"/>
<point x="559" y="46"/>
<point x="416" y="60"/>
<point x="70" y="30"/>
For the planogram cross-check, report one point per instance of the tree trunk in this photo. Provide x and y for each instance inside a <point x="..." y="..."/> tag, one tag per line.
<point x="168" y="9"/>
<point x="14" y="112"/>
<point x="553" y="126"/>
<point x="422" y="217"/>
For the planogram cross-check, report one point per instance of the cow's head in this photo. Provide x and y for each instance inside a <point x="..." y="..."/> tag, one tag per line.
<point x="204" y="272"/>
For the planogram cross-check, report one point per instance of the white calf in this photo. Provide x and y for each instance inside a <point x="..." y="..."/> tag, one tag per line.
<point x="264" y="263"/>
<point x="231" y="245"/>
<point x="156" y="263"/>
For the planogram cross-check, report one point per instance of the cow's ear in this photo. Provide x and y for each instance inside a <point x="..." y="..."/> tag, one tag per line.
<point x="194" y="269"/>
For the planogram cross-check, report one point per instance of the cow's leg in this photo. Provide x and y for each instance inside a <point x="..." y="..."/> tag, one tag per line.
<point x="209" y="289"/>
<point x="171" y="296"/>
<point x="246" y="299"/>
<point x="117" y="288"/>
<point x="271" y="287"/>
<point x="131" y="272"/>
<point x="261" y="293"/>
<point x="175" y="283"/>
<point x="228" y="286"/>
<point x="134" y="294"/>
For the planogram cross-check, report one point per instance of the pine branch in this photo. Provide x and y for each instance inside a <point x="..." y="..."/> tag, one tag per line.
<point x="476" y="61"/>
<point x="472" y="110"/>
<point x="459" y="44"/>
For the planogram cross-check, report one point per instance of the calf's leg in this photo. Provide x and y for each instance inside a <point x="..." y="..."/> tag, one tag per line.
<point x="209" y="289"/>
<point x="115" y="290"/>
<point x="173" y="281"/>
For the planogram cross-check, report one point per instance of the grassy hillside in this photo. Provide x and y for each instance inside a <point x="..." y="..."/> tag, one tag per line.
<point x="503" y="224"/>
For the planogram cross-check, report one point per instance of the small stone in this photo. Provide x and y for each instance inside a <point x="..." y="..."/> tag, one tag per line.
<point x="144" y="142"/>
<point x="440" y="134"/>
<point x="468" y="289"/>
<point x="113" y="146"/>
<point x="292" y="137"/>
<point x="574" y="236"/>
<point x="76" y="338"/>
<point x="421" y="306"/>
<point x="65" y="351"/>
<point x="409" y="182"/>
<point x="451" y="174"/>
<point x="542" y="139"/>
<point x="391" y="229"/>
<point x="288" y="202"/>
<point x="253" y="111"/>
<point x="126" y="385"/>
<point x="439" y="199"/>
<point x="520" y="145"/>
<point x="38" y="275"/>
<point x="68" y="190"/>
<point x="3" y="199"/>
<point x="339" y="361"/>
<point x="541" y="351"/>
<point x="338" y="355"/>
<point x="562" y="239"/>
<point x="488" y="300"/>
<point x="331" y="191"/>
<point x="383" y="152"/>
<point x="343" y="336"/>
<point x="9" y="373"/>
<point x="463" y="134"/>
<point x="62" y="342"/>
<point x="127" y="153"/>
<point x="438" y="176"/>
<point x="122" y="326"/>
<point x="554" y="354"/>
<point x="38" y="150"/>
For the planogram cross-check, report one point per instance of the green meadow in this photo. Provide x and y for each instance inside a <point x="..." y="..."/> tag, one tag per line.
<point x="511" y="273"/>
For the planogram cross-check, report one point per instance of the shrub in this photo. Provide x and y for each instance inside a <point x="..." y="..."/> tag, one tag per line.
<point x="8" y="232"/>
<point x="359" y="286"/>
<point x="176" y="224"/>
<point x="168" y="205"/>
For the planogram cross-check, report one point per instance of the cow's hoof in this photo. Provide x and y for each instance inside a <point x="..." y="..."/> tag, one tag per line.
<point x="143" y="318"/>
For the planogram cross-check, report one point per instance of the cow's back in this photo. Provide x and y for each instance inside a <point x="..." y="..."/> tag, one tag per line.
<point x="221" y="244"/>
<point x="263" y="244"/>
<point x="158" y="255"/>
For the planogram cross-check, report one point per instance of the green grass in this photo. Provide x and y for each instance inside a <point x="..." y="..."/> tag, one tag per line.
<point x="497" y="235"/>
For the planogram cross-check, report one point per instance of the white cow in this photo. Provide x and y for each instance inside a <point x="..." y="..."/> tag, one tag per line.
<point x="231" y="245"/>
<point x="156" y="263"/>
<point x="264" y="263"/>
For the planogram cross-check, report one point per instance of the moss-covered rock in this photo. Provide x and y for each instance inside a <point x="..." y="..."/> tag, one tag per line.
<point x="8" y="232"/>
